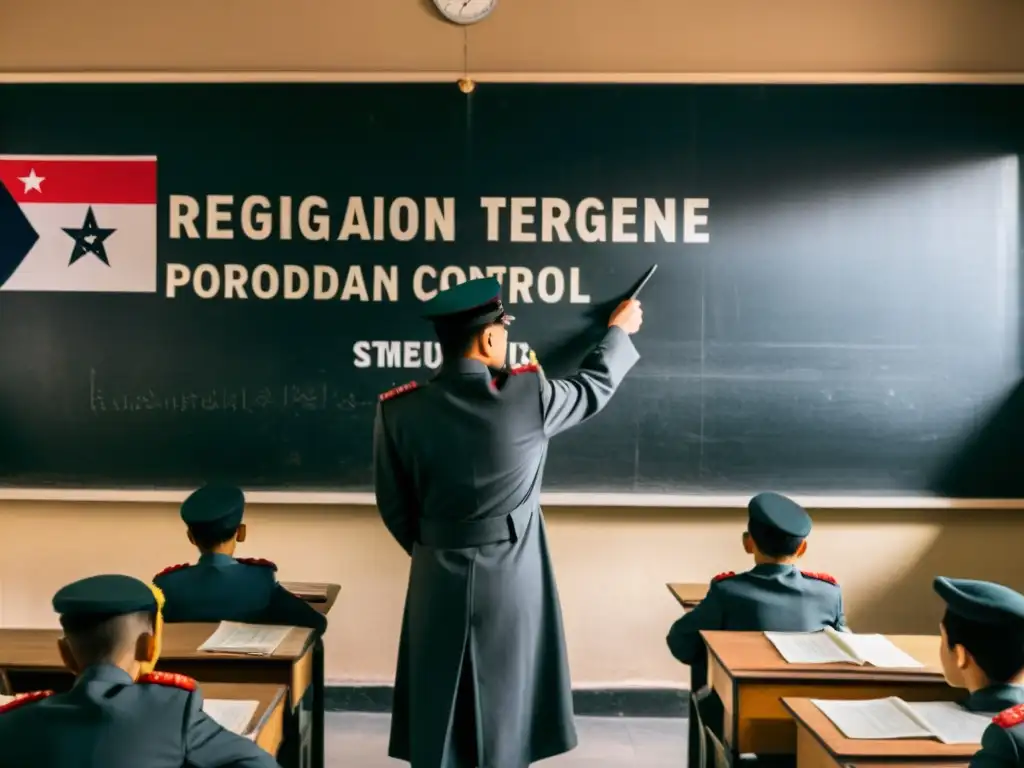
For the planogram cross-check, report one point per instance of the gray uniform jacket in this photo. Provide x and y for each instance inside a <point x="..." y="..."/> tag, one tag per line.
<point x="778" y="598"/>
<point x="1002" y="744"/>
<point x="108" y="721"/>
<point x="482" y="674"/>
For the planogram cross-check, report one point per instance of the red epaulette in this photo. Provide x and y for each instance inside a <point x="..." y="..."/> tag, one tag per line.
<point x="1010" y="717"/>
<point x="257" y="561"/>
<point x="820" y="577"/>
<point x="391" y="393"/>
<point x="172" y="569"/>
<point x="528" y="368"/>
<point x="171" y="679"/>
<point x="724" y="576"/>
<point x="25" y="698"/>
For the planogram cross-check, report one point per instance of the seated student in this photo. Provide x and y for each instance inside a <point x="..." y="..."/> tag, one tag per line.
<point x="220" y="587"/>
<point x="119" y="713"/>
<point x="982" y="650"/>
<point x="773" y="595"/>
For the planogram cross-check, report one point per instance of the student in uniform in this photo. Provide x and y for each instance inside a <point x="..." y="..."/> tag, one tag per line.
<point x="774" y="595"/>
<point x="119" y="713"/>
<point x="221" y="587"/>
<point x="982" y="650"/>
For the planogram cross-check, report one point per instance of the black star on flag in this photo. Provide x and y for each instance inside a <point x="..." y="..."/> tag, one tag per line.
<point x="89" y="239"/>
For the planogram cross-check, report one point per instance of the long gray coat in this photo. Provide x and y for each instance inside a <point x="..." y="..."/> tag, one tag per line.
<point x="482" y="673"/>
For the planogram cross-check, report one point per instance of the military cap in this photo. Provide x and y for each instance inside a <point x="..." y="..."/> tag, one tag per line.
<point x="472" y="304"/>
<point x="981" y="601"/>
<point x="214" y="506"/>
<point x="776" y="512"/>
<point x="101" y="597"/>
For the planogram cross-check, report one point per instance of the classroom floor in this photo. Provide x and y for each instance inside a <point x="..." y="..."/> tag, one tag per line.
<point x="357" y="740"/>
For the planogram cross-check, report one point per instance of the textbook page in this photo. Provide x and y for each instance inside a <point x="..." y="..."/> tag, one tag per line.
<point x="951" y="723"/>
<point x="873" y="719"/>
<point x="231" y="714"/>
<point x="5" y="699"/>
<point x="876" y="650"/>
<point x="254" y="639"/>
<point x="307" y="590"/>
<point x="809" y="648"/>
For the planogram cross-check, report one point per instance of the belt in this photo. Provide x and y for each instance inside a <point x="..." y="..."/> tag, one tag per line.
<point x="459" y="534"/>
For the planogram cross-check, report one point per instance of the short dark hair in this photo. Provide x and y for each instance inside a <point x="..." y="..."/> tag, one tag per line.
<point x="99" y="639"/>
<point x="456" y="342"/>
<point x="998" y="649"/>
<point x="773" y="542"/>
<point x="209" y="537"/>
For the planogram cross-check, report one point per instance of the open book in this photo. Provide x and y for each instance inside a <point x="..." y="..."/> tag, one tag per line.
<point x="231" y="714"/>
<point x="831" y="647"/>
<point x="311" y="593"/>
<point x="893" y="718"/>
<point x="253" y="639"/>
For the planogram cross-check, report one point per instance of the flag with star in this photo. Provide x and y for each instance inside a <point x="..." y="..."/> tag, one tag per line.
<point x="78" y="223"/>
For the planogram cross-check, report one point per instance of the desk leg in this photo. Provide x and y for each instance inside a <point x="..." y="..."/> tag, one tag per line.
<point x="318" y="757"/>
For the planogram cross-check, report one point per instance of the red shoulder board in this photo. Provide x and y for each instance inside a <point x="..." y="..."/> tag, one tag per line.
<point x="391" y="393"/>
<point x="528" y="368"/>
<point x="25" y="698"/>
<point x="820" y="577"/>
<point x="170" y="679"/>
<point x="172" y="569"/>
<point x="724" y="576"/>
<point x="257" y="561"/>
<point x="1010" y="717"/>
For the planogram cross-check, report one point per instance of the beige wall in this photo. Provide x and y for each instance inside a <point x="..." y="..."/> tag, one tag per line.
<point x="612" y="566"/>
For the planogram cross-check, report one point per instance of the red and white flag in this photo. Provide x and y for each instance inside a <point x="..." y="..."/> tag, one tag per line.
<point x="93" y="219"/>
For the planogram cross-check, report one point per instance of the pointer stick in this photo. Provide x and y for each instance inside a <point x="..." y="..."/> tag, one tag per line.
<point x="643" y="282"/>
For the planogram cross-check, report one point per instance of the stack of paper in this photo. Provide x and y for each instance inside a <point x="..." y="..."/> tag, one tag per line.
<point x="831" y="647"/>
<point x="313" y="593"/>
<point x="231" y="714"/>
<point x="893" y="718"/>
<point x="253" y="639"/>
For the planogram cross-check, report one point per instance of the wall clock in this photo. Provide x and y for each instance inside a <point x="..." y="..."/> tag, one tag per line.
<point x="465" y="11"/>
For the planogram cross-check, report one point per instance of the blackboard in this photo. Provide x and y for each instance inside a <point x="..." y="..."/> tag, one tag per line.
<point x="844" y="318"/>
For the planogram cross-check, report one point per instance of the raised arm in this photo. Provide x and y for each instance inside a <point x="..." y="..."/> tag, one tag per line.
<point x="571" y="401"/>
<point x="395" y="501"/>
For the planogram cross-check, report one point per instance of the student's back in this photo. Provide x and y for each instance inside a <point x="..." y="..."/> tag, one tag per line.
<point x="220" y="587"/>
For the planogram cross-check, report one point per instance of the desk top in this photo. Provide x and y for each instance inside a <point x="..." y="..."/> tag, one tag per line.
<point x="37" y="648"/>
<point x="321" y="596"/>
<point x="688" y="595"/>
<point x="750" y="655"/>
<point x="267" y="695"/>
<point x="850" y="750"/>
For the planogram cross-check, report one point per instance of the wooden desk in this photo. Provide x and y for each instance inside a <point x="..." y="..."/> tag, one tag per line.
<point x="751" y="679"/>
<point x="819" y="744"/>
<point x="688" y="595"/>
<point x="267" y="725"/>
<point x="321" y="596"/>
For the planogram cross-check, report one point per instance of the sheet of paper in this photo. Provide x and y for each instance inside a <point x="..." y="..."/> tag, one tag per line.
<point x="5" y="699"/>
<point x="808" y="648"/>
<point x="879" y="651"/>
<point x="231" y="714"/>
<point x="952" y="724"/>
<point x="254" y="639"/>
<point x="872" y="719"/>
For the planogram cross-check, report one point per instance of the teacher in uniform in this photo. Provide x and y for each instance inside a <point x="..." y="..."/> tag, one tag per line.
<point x="482" y="675"/>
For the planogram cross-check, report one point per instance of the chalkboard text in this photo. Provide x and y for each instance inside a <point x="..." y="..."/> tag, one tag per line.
<point x="375" y="283"/>
<point x="417" y="354"/>
<point x="433" y="219"/>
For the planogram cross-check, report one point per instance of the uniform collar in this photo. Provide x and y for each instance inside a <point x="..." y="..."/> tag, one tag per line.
<point x="772" y="569"/>
<point x="465" y="366"/>
<point x="104" y="673"/>
<point x="216" y="559"/>
<point x="995" y="698"/>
